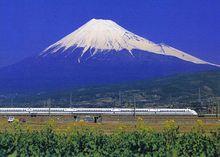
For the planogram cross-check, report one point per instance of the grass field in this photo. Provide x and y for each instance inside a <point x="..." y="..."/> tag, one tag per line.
<point x="111" y="124"/>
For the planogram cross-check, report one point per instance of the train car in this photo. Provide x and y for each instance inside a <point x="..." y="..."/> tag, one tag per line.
<point x="97" y="111"/>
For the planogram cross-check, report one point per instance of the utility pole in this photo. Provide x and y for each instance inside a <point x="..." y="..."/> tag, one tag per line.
<point x="210" y="105"/>
<point x="49" y="104"/>
<point x="171" y="102"/>
<point x="71" y="102"/>
<point x="199" y="96"/>
<point x="12" y="102"/>
<point x="119" y="98"/>
<point x="200" y="100"/>
<point x="217" y="108"/>
<point x="134" y="110"/>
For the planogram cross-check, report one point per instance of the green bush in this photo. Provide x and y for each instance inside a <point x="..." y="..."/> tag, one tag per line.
<point x="90" y="143"/>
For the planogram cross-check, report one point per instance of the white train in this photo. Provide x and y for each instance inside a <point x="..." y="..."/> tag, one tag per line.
<point x="96" y="111"/>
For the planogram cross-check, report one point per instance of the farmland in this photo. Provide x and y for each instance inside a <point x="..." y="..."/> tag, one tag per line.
<point x="110" y="124"/>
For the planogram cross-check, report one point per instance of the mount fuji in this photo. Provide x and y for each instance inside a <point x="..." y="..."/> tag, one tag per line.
<point x="99" y="52"/>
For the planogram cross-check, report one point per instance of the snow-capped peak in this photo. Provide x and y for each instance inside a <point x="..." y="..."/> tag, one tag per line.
<point x="104" y="35"/>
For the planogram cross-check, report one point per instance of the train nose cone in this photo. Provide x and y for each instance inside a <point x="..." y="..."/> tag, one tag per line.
<point x="194" y="113"/>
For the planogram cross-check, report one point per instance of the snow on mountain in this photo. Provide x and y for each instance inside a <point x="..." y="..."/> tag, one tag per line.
<point x="100" y="35"/>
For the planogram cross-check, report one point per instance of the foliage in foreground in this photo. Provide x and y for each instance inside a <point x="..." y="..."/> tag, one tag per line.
<point x="143" y="142"/>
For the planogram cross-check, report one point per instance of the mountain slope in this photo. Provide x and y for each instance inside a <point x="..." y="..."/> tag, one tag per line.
<point x="97" y="53"/>
<point x="180" y="91"/>
<point x="56" y="72"/>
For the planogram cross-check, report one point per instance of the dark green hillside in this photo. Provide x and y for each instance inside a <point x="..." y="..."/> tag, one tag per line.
<point x="174" y="91"/>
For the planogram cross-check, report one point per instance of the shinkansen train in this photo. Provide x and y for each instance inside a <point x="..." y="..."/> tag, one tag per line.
<point x="96" y="111"/>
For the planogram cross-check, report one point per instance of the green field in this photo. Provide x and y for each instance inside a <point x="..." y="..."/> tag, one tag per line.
<point x="115" y="136"/>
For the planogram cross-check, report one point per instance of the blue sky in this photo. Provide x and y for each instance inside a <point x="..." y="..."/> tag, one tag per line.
<point x="27" y="27"/>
